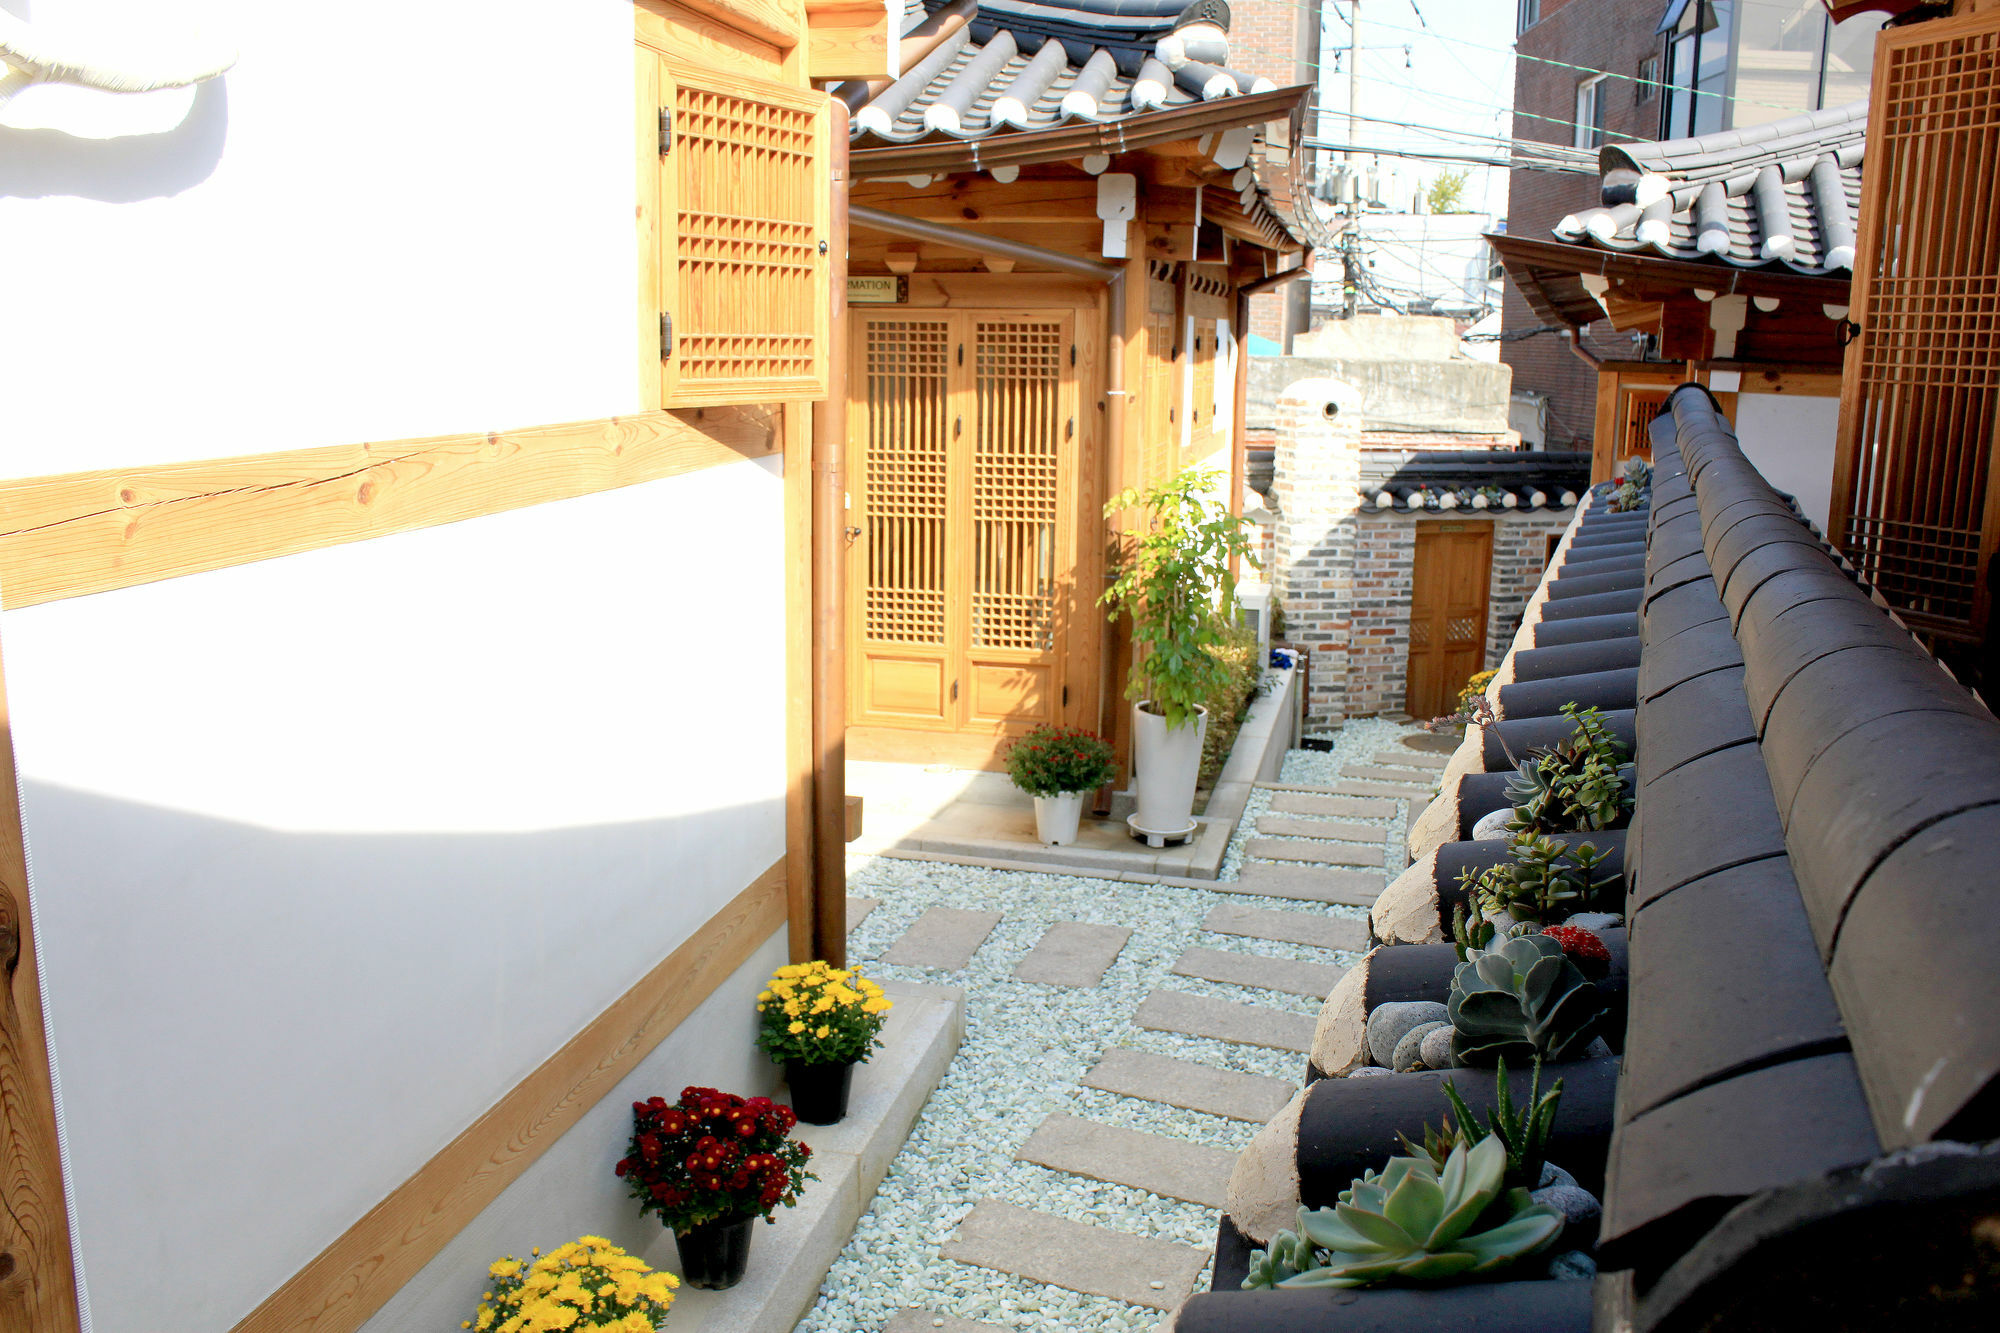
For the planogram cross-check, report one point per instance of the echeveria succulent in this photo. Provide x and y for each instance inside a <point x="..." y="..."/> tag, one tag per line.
<point x="1523" y="999"/>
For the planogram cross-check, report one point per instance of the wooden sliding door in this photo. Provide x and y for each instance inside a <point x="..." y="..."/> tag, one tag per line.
<point x="964" y="445"/>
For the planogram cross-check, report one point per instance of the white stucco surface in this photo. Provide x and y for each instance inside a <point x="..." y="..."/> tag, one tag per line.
<point x="1790" y="439"/>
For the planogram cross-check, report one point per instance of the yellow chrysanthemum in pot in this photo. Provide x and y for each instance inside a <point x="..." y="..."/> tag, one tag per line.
<point x="819" y="1021"/>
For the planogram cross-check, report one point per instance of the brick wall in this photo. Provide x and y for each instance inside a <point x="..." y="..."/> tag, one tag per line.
<point x="1318" y="467"/>
<point x="1267" y="38"/>
<point x="1520" y="554"/>
<point x="1613" y="35"/>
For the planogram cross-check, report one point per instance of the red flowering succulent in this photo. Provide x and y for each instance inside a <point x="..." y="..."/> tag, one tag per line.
<point x="1582" y="947"/>
<point x="713" y="1157"/>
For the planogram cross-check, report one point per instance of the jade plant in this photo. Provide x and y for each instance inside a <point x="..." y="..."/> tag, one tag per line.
<point x="1412" y="1222"/>
<point x="1524" y="999"/>
<point x="1523" y="1131"/>
<point x="1542" y="882"/>
<point x="1573" y="786"/>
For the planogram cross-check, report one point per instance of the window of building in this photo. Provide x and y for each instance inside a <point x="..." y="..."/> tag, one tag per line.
<point x="1698" y="38"/>
<point x="1648" y="81"/>
<point x="1591" y="96"/>
<point x="1527" y="14"/>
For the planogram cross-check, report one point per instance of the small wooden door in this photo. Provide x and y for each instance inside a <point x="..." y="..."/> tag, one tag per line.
<point x="1454" y="565"/>
<point x="963" y="429"/>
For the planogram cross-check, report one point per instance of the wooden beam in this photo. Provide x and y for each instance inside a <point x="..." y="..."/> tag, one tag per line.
<point x="37" y="1282"/>
<point x="352" y="1277"/>
<point x="87" y="532"/>
<point x="799" y="852"/>
<point x="846" y="40"/>
<point x="779" y="22"/>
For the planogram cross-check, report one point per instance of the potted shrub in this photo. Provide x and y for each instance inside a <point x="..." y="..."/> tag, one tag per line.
<point x="587" y="1284"/>
<point x="1175" y="584"/>
<point x="1058" y="766"/>
<point x="709" y="1166"/>
<point x="819" y="1022"/>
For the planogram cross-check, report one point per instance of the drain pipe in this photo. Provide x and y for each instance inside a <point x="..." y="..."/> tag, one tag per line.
<point x="1111" y="275"/>
<point x="829" y="588"/>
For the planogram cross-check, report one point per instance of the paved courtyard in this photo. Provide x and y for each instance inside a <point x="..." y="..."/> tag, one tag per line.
<point x="1123" y="1041"/>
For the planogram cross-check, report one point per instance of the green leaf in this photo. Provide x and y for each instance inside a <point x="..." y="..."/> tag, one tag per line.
<point x="1416" y="1204"/>
<point x="1376" y="1231"/>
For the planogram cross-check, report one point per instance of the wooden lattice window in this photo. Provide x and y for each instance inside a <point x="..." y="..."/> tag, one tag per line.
<point x="1201" y="411"/>
<point x="1915" y="506"/>
<point x="1021" y="428"/>
<point x="907" y="364"/>
<point x="1159" y="450"/>
<point x="743" y="215"/>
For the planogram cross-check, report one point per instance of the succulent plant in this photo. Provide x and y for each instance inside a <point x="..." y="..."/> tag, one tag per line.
<point x="1524" y="999"/>
<point x="1542" y="881"/>
<point x="1524" y="1132"/>
<point x="1573" y="786"/>
<point x="1412" y="1222"/>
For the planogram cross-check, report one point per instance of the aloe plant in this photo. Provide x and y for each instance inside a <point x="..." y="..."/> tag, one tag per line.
<point x="1412" y="1222"/>
<point x="1524" y="999"/>
<point x="1524" y="1132"/>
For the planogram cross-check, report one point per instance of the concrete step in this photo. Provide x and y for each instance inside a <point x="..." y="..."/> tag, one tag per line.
<point x="1407" y="758"/>
<point x="858" y="910"/>
<point x="943" y="937"/>
<point x="916" y="1319"/>
<point x="1314" y="980"/>
<point x="1314" y="853"/>
<point x="1400" y="791"/>
<point x="1277" y="826"/>
<point x="1225" y="1020"/>
<point x="1072" y="953"/>
<point x="1377" y="773"/>
<point x="1304" y="883"/>
<point x="1325" y="931"/>
<point x="1338" y="807"/>
<point x="1190" y="1172"/>
<point x="1190" y="1085"/>
<point x="1139" y="1270"/>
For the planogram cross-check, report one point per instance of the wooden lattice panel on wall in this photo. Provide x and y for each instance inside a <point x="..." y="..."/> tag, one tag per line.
<point x="907" y="367"/>
<point x="1914" y="504"/>
<point x="1201" y="408"/>
<point x="1021" y="427"/>
<point x="1159" y="449"/>
<point x="744" y="211"/>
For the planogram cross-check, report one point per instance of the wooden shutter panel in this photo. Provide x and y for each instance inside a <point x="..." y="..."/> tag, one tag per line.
<point x="744" y="203"/>
<point x="1915" y="505"/>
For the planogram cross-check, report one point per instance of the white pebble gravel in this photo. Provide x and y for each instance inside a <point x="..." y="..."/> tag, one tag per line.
<point x="1026" y="1048"/>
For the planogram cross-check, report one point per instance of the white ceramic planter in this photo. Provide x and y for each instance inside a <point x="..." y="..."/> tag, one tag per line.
<point x="1166" y="764"/>
<point x="1493" y="824"/>
<point x="1056" y="817"/>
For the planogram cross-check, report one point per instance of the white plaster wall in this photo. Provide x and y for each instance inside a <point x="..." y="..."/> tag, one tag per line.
<point x="330" y="851"/>
<point x="392" y="218"/>
<point x="1790" y="439"/>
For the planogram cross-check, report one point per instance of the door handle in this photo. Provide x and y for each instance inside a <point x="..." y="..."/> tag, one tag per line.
<point x="954" y="691"/>
<point x="957" y="426"/>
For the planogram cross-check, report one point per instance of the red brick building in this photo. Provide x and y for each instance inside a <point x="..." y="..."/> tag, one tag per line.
<point x="1617" y="36"/>
<point x="1277" y="40"/>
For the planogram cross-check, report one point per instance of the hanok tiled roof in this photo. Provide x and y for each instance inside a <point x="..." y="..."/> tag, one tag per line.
<point x="1472" y="480"/>
<point x="1787" y="192"/>
<point x="1024" y="66"/>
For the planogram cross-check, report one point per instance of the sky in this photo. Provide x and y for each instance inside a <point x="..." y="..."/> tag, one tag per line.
<point x="1429" y="64"/>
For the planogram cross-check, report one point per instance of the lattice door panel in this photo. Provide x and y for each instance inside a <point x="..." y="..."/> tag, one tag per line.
<point x="1159" y="451"/>
<point x="744" y="211"/>
<point x="1018" y="436"/>
<point x="1201" y="409"/>
<point x="1914" y="501"/>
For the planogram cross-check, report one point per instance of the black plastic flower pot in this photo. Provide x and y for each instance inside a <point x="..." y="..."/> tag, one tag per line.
<point x="714" y="1256"/>
<point x="820" y="1091"/>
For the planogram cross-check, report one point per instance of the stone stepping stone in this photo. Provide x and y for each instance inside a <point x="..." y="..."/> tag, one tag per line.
<point x="1306" y="884"/>
<point x="916" y="1319"/>
<point x="1261" y="923"/>
<point x="1225" y="1020"/>
<point x="1093" y="1260"/>
<point x="1412" y="759"/>
<point x="1189" y="1085"/>
<point x="1376" y="773"/>
<point x="1313" y="980"/>
<point x="1401" y="793"/>
<point x="943" y="937"/>
<point x="1071" y="953"/>
<point x="1314" y="853"/>
<point x="1279" y="827"/>
<point x="858" y="910"/>
<point x="1340" y="807"/>
<point x="1190" y="1172"/>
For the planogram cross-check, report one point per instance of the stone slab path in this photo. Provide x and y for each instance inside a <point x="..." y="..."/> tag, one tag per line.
<point x="1337" y="807"/>
<point x="1137" y="1269"/>
<point x="1126" y="1035"/>
<point x="1072" y="953"/>
<point x="1176" y="1169"/>
<point x="1190" y="1085"/>
<point x="1314" y="853"/>
<point x="1407" y="758"/>
<point x="1288" y="975"/>
<point x="1259" y="923"/>
<point x="944" y="938"/>
<point x="1225" y="1020"/>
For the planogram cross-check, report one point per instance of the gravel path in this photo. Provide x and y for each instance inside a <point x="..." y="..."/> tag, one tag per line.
<point x="1026" y="1048"/>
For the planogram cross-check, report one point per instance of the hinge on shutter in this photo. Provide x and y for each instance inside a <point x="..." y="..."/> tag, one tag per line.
<point x="961" y="354"/>
<point x="1072" y="354"/>
<point x="1069" y="431"/>
<point x="1065" y="696"/>
<point x="666" y="130"/>
<point x="666" y="335"/>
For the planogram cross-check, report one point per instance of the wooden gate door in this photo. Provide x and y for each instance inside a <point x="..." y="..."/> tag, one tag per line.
<point x="963" y="430"/>
<point x="1454" y="565"/>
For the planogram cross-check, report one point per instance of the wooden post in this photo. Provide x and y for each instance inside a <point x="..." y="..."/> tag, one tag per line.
<point x="37" y="1279"/>
<point x="1604" y="435"/>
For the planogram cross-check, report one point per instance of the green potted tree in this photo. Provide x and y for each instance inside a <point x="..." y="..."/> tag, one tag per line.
<point x="1175" y="583"/>
<point x="1059" y="766"/>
